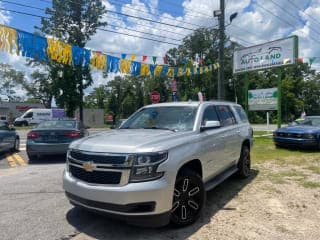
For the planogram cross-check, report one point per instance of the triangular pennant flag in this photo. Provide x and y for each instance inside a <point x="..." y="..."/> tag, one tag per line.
<point x="311" y="60"/>
<point x="165" y="60"/>
<point x="123" y="55"/>
<point x="133" y="57"/>
<point x="144" y="58"/>
<point x="300" y="59"/>
<point x="154" y="59"/>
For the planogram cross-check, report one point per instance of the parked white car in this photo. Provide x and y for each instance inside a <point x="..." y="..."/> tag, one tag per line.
<point x="157" y="167"/>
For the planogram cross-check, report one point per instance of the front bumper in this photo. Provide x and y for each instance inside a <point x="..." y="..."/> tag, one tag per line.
<point x="33" y="148"/>
<point x="295" y="142"/>
<point x="145" y="203"/>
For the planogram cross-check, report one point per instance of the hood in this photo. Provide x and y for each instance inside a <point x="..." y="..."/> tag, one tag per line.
<point x="129" y="141"/>
<point x="299" y="129"/>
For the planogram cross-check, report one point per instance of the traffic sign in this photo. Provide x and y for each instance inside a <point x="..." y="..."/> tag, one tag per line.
<point x="155" y="97"/>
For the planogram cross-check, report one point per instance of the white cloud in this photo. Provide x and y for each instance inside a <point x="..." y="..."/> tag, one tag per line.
<point x="4" y="16"/>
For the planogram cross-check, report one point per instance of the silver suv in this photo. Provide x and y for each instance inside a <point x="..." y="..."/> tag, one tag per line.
<point x="157" y="167"/>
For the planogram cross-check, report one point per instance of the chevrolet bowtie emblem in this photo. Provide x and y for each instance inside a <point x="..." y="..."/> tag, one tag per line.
<point x="88" y="166"/>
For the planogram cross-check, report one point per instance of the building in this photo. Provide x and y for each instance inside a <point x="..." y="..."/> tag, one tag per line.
<point x="11" y="110"/>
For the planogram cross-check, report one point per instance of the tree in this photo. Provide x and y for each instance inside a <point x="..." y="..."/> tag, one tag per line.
<point x="8" y="79"/>
<point x="73" y="22"/>
<point x="98" y="97"/>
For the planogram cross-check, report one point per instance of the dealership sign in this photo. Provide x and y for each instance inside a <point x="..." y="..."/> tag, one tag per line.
<point x="263" y="99"/>
<point x="277" y="53"/>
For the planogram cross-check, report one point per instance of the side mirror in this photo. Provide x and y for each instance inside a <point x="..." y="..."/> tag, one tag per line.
<point x="210" y="125"/>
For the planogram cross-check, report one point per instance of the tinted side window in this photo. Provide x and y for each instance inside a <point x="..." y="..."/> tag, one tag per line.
<point x="226" y="115"/>
<point x="209" y="114"/>
<point x="242" y="114"/>
<point x="28" y="115"/>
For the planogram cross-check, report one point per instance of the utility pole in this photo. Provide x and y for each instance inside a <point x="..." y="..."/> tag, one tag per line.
<point x="221" y="85"/>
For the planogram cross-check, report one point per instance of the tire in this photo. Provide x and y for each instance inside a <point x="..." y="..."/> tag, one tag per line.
<point x="16" y="146"/>
<point x="188" y="199"/>
<point x="32" y="158"/>
<point x="244" y="164"/>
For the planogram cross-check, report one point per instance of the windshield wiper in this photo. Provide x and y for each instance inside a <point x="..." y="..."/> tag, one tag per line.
<point x="161" y="128"/>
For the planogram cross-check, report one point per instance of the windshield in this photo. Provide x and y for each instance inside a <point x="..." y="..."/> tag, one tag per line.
<point x="309" y="122"/>
<point x="57" y="124"/>
<point x="171" y="118"/>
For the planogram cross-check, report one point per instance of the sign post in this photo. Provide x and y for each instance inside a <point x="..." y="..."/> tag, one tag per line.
<point x="276" y="54"/>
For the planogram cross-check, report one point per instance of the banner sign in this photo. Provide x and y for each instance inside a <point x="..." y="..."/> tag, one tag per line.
<point x="29" y="45"/>
<point x="263" y="99"/>
<point x="277" y="53"/>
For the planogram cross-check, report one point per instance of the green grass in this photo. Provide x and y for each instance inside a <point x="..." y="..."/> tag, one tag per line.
<point x="279" y="165"/>
<point x="309" y="184"/>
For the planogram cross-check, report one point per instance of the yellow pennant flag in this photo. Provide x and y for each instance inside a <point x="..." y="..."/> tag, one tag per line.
<point x="206" y="69"/>
<point x="133" y="57"/>
<point x="98" y="60"/>
<point x="158" y="70"/>
<point x="188" y="71"/>
<point x="180" y="71"/>
<point x="59" y="51"/>
<point x="8" y="39"/>
<point x="170" y="72"/>
<point x="195" y="70"/>
<point x="201" y="70"/>
<point x="125" y="66"/>
<point x="145" y="70"/>
<point x="216" y="66"/>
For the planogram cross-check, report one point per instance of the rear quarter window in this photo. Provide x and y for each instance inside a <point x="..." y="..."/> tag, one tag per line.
<point x="241" y="113"/>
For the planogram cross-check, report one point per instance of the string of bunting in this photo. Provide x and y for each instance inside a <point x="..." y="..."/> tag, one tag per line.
<point x="29" y="45"/>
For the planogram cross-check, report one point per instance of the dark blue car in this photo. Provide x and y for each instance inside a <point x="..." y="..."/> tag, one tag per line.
<point x="301" y="134"/>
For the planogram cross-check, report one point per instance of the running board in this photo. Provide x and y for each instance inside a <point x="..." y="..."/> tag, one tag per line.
<point x="220" y="178"/>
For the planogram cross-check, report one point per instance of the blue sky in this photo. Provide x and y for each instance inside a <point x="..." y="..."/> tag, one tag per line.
<point x="27" y="23"/>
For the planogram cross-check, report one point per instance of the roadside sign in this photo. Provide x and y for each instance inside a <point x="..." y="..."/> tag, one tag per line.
<point x="155" y="97"/>
<point x="173" y="86"/>
<point x="109" y="118"/>
<point x="263" y="99"/>
<point x="277" y="53"/>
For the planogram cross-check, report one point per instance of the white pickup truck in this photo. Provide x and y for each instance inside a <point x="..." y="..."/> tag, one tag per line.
<point x="157" y="167"/>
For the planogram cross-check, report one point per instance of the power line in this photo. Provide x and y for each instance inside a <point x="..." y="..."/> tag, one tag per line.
<point x="297" y="7"/>
<point x="139" y="10"/>
<point x="140" y="18"/>
<point x="177" y="5"/>
<point x="285" y="10"/>
<point x="42" y="9"/>
<point x="152" y="27"/>
<point x="23" y="5"/>
<point x="101" y="29"/>
<point x="288" y="23"/>
<point x="130" y="29"/>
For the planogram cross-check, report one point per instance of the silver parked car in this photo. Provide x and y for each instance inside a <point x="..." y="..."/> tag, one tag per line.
<point x="157" y="166"/>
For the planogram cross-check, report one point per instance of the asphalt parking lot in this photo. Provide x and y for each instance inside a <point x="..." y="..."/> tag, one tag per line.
<point x="33" y="206"/>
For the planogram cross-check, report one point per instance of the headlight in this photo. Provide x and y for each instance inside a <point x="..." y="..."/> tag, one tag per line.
<point x="308" y="136"/>
<point x="145" y="166"/>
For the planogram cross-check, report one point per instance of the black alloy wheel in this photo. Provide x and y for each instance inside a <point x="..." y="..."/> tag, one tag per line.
<point x="244" y="164"/>
<point x="188" y="199"/>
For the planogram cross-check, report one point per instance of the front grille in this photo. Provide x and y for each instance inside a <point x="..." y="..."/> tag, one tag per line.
<point x="290" y="135"/>
<point x="99" y="177"/>
<point x="103" y="159"/>
<point x="128" y="208"/>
